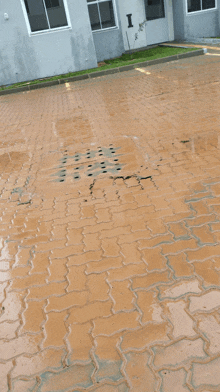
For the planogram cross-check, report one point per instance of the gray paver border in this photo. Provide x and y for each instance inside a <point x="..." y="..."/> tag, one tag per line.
<point x="96" y="74"/>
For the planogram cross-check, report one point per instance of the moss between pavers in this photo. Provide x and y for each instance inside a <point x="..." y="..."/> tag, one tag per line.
<point x="125" y="59"/>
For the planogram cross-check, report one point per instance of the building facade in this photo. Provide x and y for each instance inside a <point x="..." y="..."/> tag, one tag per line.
<point x="43" y="38"/>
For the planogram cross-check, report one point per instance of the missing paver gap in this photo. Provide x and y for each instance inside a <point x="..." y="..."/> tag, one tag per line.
<point x="124" y="178"/>
<point x="91" y="186"/>
<point x="27" y="181"/>
<point x="17" y="190"/>
<point x="9" y="382"/>
<point x="26" y="202"/>
<point x="145" y="178"/>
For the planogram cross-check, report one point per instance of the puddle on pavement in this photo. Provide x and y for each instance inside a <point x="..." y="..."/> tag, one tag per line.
<point x="12" y="161"/>
<point x="11" y="143"/>
<point x="201" y="142"/>
<point x="74" y="129"/>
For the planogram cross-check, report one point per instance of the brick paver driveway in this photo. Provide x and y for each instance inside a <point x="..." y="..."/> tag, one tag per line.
<point x="110" y="233"/>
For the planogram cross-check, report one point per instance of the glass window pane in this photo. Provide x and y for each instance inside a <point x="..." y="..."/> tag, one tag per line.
<point x="154" y="9"/>
<point x="194" y="5"/>
<point x="94" y="17"/>
<point x="206" y="4"/>
<point x="56" y="13"/>
<point x="52" y="3"/>
<point x="107" y="14"/>
<point x="26" y="5"/>
<point x="36" y="15"/>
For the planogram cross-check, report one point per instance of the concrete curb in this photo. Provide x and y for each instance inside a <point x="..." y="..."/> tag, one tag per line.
<point x="97" y="74"/>
<point x="203" y="40"/>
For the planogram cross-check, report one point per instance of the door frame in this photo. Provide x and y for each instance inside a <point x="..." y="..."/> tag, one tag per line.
<point x="137" y="9"/>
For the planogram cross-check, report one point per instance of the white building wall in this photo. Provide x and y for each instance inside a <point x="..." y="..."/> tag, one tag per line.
<point x="137" y="9"/>
<point x="26" y="57"/>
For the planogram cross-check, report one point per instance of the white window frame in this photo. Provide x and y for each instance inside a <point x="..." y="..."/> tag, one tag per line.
<point x="115" y="14"/>
<point x="50" y="30"/>
<point x="196" y="12"/>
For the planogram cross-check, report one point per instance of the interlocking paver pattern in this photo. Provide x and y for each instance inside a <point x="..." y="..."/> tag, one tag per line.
<point x="110" y="233"/>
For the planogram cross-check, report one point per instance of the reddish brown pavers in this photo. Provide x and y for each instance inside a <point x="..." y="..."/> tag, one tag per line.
<point x="110" y="230"/>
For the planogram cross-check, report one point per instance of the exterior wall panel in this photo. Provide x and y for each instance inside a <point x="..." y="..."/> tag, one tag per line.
<point x="137" y="10"/>
<point x="178" y="18"/>
<point x="109" y="43"/>
<point x="189" y="26"/>
<point x="24" y="57"/>
<point x="202" y="24"/>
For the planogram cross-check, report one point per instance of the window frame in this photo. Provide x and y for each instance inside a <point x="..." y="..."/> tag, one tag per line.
<point x="115" y="15"/>
<point x="196" y="12"/>
<point x="49" y="30"/>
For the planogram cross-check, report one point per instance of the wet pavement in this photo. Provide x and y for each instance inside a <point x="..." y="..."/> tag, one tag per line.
<point x="110" y="233"/>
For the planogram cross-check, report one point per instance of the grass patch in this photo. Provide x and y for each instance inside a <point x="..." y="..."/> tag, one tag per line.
<point x="125" y="59"/>
<point x="149" y="54"/>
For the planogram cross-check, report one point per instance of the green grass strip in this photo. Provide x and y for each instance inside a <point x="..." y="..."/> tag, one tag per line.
<point x="125" y="59"/>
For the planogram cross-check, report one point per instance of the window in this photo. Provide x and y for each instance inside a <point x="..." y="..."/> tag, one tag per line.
<point x="200" y="5"/>
<point x="45" y="14"/>
<point x="101" y="13"/>
<point x="154" y="9"/>
<point x="52" y="3"/>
